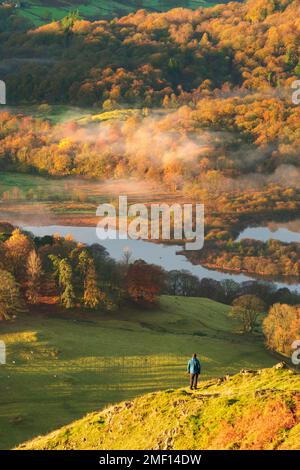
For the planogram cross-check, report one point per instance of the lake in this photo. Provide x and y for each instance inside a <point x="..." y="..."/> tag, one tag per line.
<point x="287" y="232"/>
<point x="163" y="255"/>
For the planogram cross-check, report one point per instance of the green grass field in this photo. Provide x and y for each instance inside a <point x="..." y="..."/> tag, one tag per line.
<point x="39" y="11"/>
<point x="252" y="410"/>
<point x="59" y="114"/>
<point x="26" y="182"/>
<point x="43" y="189"/>
<point x="26" y="187"/>
<point x="58" y="369"/>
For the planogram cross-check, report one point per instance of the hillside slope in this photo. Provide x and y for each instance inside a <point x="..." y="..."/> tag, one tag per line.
<point x="251" y="410"/>
<point x="75" y="363"/>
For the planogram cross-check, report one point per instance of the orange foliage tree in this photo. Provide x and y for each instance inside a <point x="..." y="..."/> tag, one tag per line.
<point x="144" y="282"/>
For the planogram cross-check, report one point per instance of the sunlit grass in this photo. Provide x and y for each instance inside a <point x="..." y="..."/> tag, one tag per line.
<point x="251" y="410"/>
<point x="58" y="369"/>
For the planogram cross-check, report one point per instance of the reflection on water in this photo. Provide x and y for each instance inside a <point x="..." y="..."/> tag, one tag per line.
<point x="285" y="232"/>
<point x="162" y="255"/>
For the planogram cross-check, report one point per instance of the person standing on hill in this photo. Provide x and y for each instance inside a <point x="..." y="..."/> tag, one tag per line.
<point x="194" y="369"/>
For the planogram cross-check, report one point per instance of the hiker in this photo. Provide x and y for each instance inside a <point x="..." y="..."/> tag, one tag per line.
<point x="194" y="369"/>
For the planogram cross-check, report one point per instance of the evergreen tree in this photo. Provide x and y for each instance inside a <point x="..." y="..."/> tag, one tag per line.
<point x="66" y="283"/>
<point x="92" y="295"/>
<point x="67" y="297"/>
<point x="63" y="271"/>
<point x="83" y="262"/>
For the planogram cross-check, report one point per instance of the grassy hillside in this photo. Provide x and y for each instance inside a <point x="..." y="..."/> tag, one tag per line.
<point x="42" y="11"/>
<point x="252" y="410"/>
<point x="60" y="368"/>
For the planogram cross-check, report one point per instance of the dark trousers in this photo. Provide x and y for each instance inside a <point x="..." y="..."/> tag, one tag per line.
<point x="194" y="380"/>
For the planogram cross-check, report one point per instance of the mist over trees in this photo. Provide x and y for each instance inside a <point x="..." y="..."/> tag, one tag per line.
<point x="186" y="99"/>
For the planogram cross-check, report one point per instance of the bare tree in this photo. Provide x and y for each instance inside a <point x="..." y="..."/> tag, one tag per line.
<point x="247" y="308"/>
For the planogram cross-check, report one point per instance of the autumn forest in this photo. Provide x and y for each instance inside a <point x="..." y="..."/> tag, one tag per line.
<point x="198" y="103"/>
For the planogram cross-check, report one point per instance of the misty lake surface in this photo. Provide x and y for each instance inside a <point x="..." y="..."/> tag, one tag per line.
<point x="159" y="254"/>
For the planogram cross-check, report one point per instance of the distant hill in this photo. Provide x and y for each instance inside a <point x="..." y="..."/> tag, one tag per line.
<point x="251" y="410"/>
<point x="43" y="11"/>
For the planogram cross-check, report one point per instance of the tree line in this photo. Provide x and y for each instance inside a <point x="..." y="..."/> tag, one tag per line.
<point x="59" y="271"/>
<point x="66" y="275"/>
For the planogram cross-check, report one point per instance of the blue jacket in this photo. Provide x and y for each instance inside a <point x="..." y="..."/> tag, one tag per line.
<point x="194" y="366"/>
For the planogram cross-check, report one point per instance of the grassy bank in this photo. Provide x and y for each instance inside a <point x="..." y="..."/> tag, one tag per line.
<point x="58" y="368"/>
<point x="253" y="410"/>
